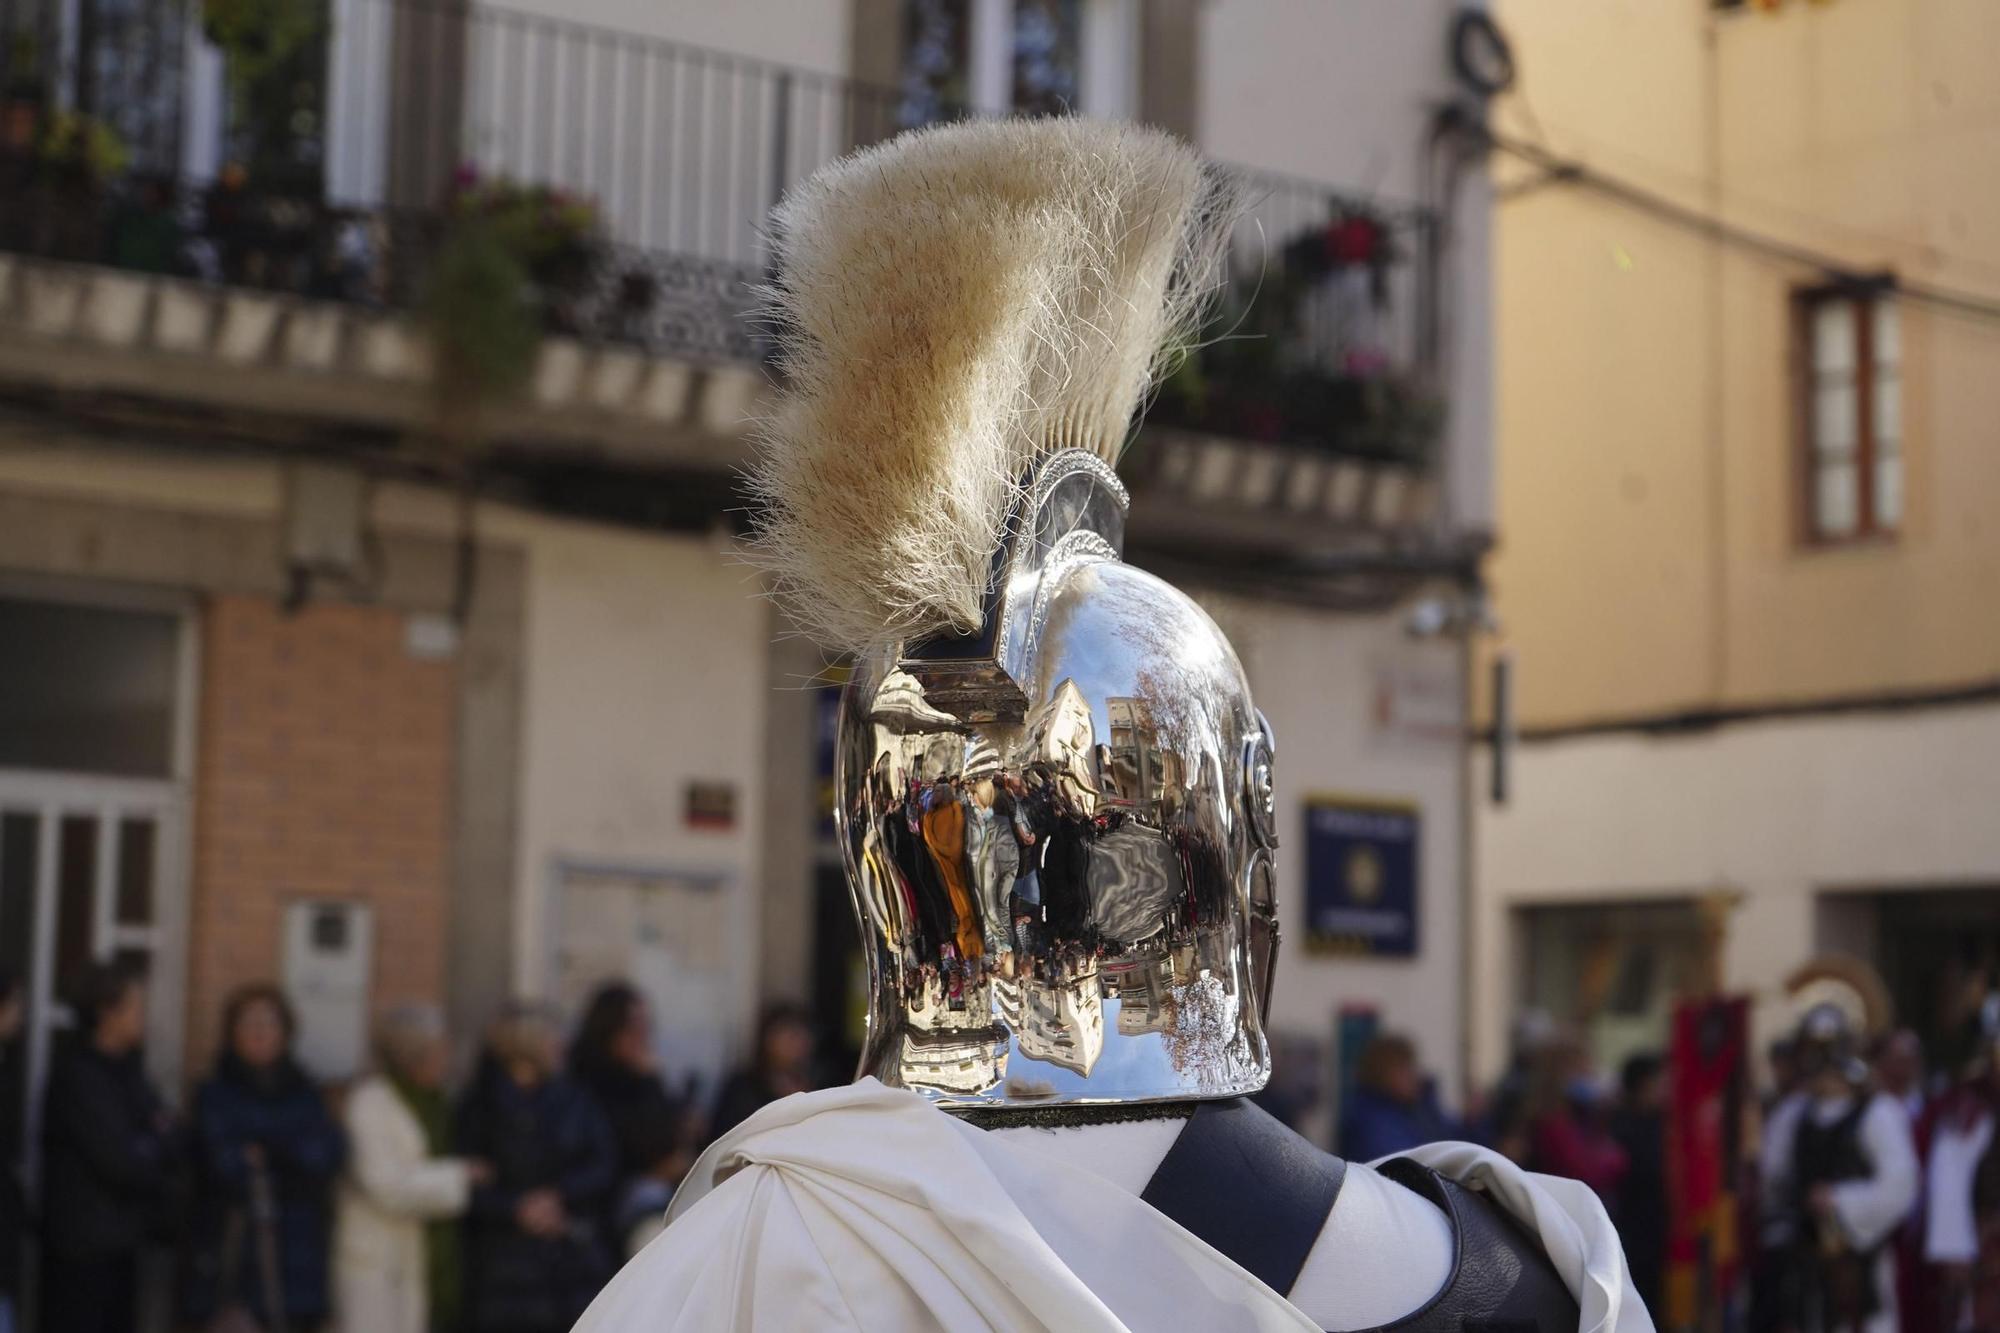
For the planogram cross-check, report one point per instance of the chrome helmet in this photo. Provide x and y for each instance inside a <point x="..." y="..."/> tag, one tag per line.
<point x="1059" y="831"/>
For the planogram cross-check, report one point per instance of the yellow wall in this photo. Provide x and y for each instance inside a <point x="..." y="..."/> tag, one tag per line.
<point x="1648" y="558"/>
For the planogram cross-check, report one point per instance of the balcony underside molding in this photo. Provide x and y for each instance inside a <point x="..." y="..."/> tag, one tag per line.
<point x="79" y="329"/>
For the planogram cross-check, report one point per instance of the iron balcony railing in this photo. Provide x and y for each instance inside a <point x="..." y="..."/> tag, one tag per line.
<point x="638" y="170"/>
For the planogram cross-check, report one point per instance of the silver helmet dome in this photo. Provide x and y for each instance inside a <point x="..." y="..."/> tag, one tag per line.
<point x="1058" y="832"/>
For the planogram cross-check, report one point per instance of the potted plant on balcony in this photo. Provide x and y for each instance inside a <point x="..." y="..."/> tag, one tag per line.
<point x="1298" y="356"/>
<point x="514" y="261"/>
<point x="555" y="237"/>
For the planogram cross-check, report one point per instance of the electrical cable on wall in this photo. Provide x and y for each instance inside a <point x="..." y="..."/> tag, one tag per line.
<point x="1558" y="170"/>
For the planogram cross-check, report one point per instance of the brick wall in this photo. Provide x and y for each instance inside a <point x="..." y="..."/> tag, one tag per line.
<point x="324" y="771"/>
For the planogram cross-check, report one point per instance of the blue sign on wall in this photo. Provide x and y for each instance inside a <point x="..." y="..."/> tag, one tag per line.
<point x="1361" y="876"/>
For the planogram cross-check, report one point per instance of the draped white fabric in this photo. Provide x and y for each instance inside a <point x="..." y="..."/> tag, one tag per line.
<point x="867" y="1208"/>
<point x="1571" y="1222"/>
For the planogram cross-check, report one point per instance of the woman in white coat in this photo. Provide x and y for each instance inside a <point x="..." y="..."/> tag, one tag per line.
<point x="397" y="1182"/>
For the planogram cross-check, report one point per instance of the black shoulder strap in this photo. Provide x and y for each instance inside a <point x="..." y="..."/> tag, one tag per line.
<point x="1242" y="1182"/>
<point x="1501" y="1278"/>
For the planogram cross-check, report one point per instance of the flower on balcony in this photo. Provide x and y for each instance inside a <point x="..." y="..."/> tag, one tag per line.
<point x="1357" y="239"/>
<point x="1354" y="238"/>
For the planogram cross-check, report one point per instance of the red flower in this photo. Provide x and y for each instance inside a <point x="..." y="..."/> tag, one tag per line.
<point x="1354" y="240"/>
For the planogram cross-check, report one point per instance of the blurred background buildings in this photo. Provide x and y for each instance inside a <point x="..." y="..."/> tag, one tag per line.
<point x="1746" y="557"/>
<point x="1588" y="459"/>
<point x="369" y="625"/>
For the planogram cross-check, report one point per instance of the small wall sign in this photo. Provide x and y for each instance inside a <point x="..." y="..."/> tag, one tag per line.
<point x="711" y="805"/>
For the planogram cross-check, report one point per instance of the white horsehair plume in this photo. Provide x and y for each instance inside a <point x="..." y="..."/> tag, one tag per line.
<point x="951" y="305"/>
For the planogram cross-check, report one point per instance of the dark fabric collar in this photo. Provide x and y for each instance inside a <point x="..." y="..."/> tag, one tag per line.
<point x="1072" y="1117"/>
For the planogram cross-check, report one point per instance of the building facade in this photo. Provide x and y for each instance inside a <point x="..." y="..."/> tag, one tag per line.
<point x="1745" y="394"/>
<point x="322" y="667"/>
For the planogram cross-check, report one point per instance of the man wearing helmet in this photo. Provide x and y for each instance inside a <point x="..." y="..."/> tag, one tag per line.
<point x="1840" y="1175"/>
<point x="1067" y="986"/>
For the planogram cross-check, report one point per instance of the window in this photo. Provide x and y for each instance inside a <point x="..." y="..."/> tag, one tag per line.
<point x="1020" y="57"/>
<point x="1850" y="413"/>
<point x="86" y="689"/>
<point x="1048" y="42"/>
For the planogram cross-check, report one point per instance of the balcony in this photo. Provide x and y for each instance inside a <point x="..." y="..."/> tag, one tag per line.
<point x="302" y="239"/>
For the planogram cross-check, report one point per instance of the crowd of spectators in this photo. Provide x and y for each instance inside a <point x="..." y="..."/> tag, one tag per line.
<point x="392" y="1204"/>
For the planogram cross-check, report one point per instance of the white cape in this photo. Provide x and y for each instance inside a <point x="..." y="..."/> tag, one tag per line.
<point x="866" y="1208"/>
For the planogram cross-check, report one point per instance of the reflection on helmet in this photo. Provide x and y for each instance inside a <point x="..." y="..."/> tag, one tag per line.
<point x="1059" y="833"/>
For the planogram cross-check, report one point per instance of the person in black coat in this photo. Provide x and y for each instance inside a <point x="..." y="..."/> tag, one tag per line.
<point x="1640" y="1125"/>
<point x="783" y="1065"/>
<point x="260" y="1125"/>
<point x="614" y="1061"/>
<point x="534" y="1253"/>
<point x="107" y="1153"/>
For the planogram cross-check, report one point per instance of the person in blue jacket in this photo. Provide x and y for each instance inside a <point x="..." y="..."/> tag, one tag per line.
<point x="1393" y="1108"/>
<point x="267" y="1153"/>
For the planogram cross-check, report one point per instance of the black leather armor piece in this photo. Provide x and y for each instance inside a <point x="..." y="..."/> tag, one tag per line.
<point x="1829" y="1154"/>
<point x="1260" y="1194"/>
<point x="1501" y="1278"/>
<point x="1251" y="1188"/>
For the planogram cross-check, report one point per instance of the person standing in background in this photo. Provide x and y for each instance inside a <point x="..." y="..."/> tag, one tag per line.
<point x="13" y="1198"/>
<point x="1839" y="1174"/>
<point x="396" y="1253"/>
<point x="107" y="1155"/>
<point x="1962" y="1196"/>
<point x="1639" y="1126"/>
<point x="267" y="1151"/>
<point x="1899" y="1074"/>
<point x="613" y="1060"/>
<point x="782" y="1066"/>
<point x="1568" y="1134"/>
<point x="1392" y="1108"/>
<point x="534" y="1252"/>
<point x="1503" y="1122"/>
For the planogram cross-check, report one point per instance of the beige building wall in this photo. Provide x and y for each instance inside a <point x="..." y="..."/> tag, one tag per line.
<point x="1650" y="498"/>
<point x="1871" y="131"/>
